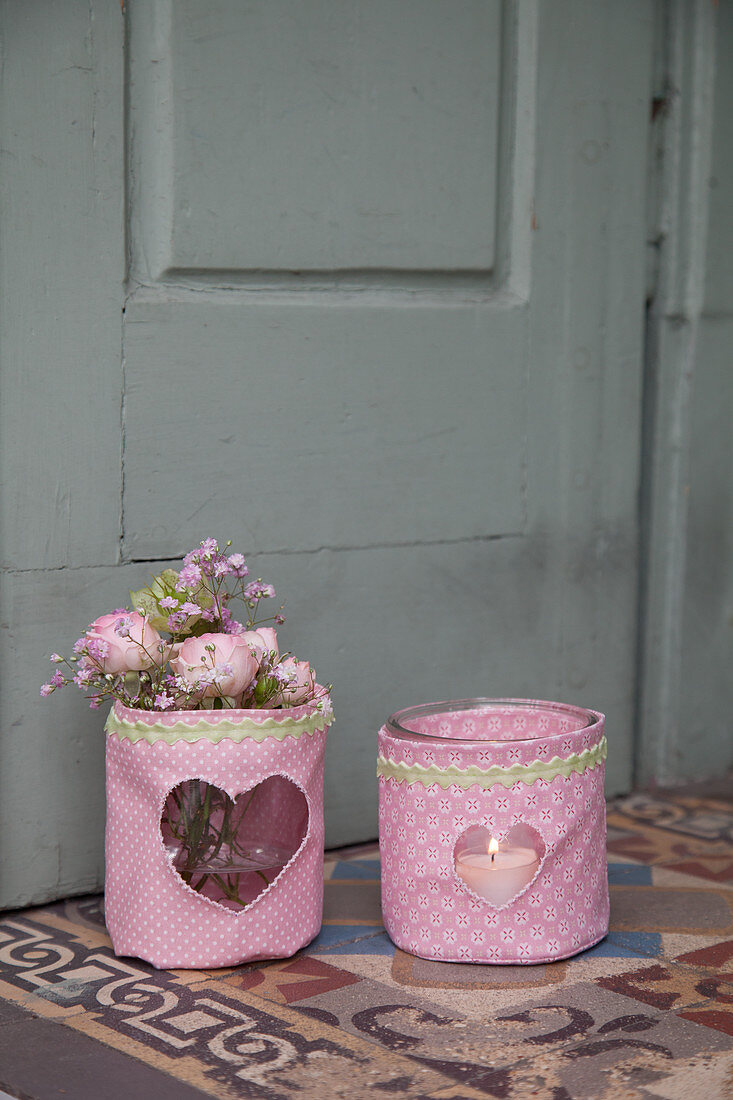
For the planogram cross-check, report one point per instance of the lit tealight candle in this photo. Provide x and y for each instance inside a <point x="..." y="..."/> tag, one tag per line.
<point x="499" y="874"/>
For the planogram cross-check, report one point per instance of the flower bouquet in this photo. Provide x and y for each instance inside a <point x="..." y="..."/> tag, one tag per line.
<point x="214" y="752"/>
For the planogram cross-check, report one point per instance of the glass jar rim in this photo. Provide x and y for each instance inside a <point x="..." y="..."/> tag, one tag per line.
<point x="396" y="728"/>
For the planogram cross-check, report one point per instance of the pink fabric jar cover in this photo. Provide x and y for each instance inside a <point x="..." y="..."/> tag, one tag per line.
<point x="150" y="911"/>
<point x="508" y="769"/>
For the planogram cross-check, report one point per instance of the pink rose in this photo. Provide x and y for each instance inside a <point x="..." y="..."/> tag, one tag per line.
<point x="123" y="641"/>
<point x="228" y="669"/>
<point x="300" y="683"/>
<point x="263" y="640"/>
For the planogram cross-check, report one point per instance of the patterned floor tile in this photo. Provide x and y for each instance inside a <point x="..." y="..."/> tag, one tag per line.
<point x="345" y="939"/>
<point x="357" y="869"/>
<point x="647" y="1014"/>
<point x="292" y="980"/>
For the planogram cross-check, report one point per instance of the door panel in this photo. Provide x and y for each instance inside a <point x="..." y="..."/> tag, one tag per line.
<point x="322" y="424"/>
<point x="321" y="136"/>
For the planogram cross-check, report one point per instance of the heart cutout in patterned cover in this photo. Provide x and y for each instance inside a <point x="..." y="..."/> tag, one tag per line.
<point x="231" y="849"/>
<point x="498" y="867"/>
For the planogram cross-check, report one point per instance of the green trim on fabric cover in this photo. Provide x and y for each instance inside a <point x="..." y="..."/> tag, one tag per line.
<point x="488" y="777"/>
<point x="224" y="730"/>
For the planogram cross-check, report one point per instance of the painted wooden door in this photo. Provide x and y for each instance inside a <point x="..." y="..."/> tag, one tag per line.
<point x="378" y="317"/>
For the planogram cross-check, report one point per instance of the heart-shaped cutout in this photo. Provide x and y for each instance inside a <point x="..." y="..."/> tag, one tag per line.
<point x="230" y="850"/>
<point x="498" y="868"/>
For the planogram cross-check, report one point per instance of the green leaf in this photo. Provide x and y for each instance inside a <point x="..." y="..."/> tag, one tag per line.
<point x="147" y="601"/>
<point x="161" y="586"/>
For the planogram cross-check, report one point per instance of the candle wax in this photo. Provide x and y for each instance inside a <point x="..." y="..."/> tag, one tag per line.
<point x="499" y="877"/>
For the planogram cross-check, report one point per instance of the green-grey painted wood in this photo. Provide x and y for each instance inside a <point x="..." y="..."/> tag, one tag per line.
<point x="438" y="468"/>
<point x="61" y="275"/>
<point x="586" y="351"/>
<point x="52" y="750"/>
<point x="686" y="688"/>
<point x="719" y="270"/>
<point x="705" y="745"/>
<point x="325" y="136"/>
<point x="328" y="422"/>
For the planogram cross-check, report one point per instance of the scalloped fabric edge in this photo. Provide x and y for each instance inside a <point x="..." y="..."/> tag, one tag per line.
<point x="224" y="730"/>
<point x="489" y="777"/>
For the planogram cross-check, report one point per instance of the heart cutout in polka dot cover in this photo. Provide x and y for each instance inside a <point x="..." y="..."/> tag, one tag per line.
<point x="232" y="848"/>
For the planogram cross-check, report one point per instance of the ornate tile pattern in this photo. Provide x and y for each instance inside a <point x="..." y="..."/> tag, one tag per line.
<point x="647" y="1013"/>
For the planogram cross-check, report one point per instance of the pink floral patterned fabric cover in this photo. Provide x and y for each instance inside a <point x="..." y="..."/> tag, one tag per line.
<point x="150" y="911"/>
<point x="533" y="763"/>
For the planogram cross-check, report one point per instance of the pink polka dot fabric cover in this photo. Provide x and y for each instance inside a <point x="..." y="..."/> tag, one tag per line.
<point x="150" y="911"/>
<point x="501" y="765"/>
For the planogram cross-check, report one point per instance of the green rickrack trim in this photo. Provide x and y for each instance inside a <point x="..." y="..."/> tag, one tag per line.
<point x="488" y="777"/>
<point x="224" y="730"/>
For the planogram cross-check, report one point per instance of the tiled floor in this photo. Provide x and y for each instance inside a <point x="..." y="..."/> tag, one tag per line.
<point x="646" y="1014"/>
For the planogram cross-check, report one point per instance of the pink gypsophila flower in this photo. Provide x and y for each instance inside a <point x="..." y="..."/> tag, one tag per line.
<point x="97" y="648"/>
<point x="258" y="590"/>
<point x="189" y="577"/>
<point x="188" y="608"/>
<point x="238" y="565"/>
<point x="122" y="626"/>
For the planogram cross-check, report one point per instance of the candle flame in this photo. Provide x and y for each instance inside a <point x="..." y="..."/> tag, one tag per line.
<point x="493" y="846"/>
